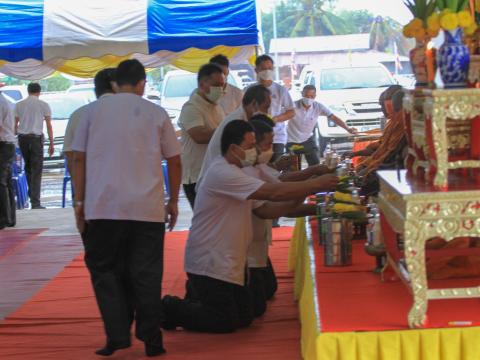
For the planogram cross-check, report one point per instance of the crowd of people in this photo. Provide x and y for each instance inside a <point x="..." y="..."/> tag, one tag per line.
<point x="230" y="162"/>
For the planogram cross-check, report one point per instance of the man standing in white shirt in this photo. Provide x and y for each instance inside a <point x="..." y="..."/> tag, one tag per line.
<point x="7" y="156"/>
<point x="282" y="108"/>
<point x="300" y="128"/>
<point x="30" y="114"/>
<point x="257" y="99"/>
<point x="104" y="86"/>
<point x="232" y="97"/>
<point x="120" y="208"/>
<point x="198" y="119"/>
<point x="216" y="250"/>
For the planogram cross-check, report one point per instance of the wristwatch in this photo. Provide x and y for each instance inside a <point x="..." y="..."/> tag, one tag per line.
<point x="77" y="203"/>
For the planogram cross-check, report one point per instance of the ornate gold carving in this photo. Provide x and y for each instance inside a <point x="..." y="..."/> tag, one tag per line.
<point x="420" y="217"/>
<point x="457" y="293"/>
<point x="474" y="69"/>
<point x="450" y="112"/>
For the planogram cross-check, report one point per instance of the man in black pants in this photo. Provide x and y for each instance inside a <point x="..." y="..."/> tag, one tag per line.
<point x="119" y="191"/>
<point x="30" y="114"/>
<point x="216" y="252"/>
<point x="7" y="156"/>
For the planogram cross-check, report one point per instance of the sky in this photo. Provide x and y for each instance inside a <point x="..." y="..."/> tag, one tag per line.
<point x="392" y="8"/>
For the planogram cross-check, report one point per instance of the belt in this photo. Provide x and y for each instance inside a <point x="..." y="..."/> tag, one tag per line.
<point x="30" y="135"/>
<point x="6" y="143"/>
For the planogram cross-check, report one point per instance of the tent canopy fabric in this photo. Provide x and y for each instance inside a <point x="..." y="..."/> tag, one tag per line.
<point x="38" y="37"/>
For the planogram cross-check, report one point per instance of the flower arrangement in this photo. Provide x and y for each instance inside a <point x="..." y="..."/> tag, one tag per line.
<point x="345" y="205"/>
<point x="453" y="14"/>
<point x="418" y="27"/>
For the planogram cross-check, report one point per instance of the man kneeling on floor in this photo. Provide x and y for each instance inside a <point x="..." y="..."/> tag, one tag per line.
<point x="218" y="299"/>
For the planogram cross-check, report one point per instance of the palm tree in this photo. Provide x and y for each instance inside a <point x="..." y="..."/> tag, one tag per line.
<point x="310" y="19"/>
<point x="384" y="32"/>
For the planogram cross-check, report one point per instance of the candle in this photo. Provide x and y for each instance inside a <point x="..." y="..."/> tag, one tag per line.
<point x="430" y="57"/>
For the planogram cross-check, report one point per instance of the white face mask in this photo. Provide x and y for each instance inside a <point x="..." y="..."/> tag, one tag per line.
<point x="216" y="92"/>
<point x="250" y="157"/>
<point x="266" y="75"/>
<point x="308" y="101"/>
<point x="265" y="156"/>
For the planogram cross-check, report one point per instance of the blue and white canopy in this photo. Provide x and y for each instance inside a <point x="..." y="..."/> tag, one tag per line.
<point x="80" y="36"/>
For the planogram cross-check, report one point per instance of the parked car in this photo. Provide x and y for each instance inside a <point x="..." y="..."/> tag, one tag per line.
<point x="62" y="106"/>
<point x="351" y="91"/>
<point x="88" y="90"/>
<point x="403" y="75"/>
<point x="177" y="87"/>
<point x="16" y="92"/>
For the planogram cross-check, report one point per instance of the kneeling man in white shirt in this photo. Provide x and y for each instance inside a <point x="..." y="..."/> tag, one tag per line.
<point x="216" y="251"/>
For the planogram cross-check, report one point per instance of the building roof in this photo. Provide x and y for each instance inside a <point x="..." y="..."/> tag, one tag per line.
<point x="329" y="43"/>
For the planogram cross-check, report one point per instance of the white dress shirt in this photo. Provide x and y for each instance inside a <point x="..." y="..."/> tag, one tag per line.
<point x="222" y="223"/>
<point x="300" y="128"/>
<point x="32" y="112"/>
<point x="125" y="139"/>
<point x="7" y="121"/>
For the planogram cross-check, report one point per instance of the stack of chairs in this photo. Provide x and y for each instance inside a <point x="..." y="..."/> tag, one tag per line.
<point x="20" y="180"/>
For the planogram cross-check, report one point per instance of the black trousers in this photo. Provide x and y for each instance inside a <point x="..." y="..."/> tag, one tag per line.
<point x="258" y="287"/>
<point x="215" y="306"/>
<point x="271" y="283"/>
<point x="7" y="193"/>
<point x="125" y="260"/>
<point x="190" y="193"/>
<point x="311" y="150"/>
<point x="32" y="152"/>
<point x="278" y="150"/>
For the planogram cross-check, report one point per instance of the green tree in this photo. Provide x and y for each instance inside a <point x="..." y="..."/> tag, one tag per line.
<point x="384" y="33"/>
<point x="296" y="18"/>
<point x="358" y="21"/>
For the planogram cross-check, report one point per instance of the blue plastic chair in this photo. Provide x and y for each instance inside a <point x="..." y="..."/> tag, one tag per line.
<point x="66" y="179"/>
<point x="165" y="178"/>
<point x="19" y="180"/>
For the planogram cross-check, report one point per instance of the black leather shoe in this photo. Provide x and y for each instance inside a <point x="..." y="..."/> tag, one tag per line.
<point x="154" y="350"/>
<point x="110" y="349"/>
<point x="38" y="207"/>
<point x="170" y="306"/>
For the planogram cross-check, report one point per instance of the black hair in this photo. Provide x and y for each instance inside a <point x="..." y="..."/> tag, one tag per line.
<point x="130" y="72"/>
<point x="262" y="125"/>
<point x="264" y="119"/>
<point x="387" y="95"/>
<point x="309" y="87"/>
<point x="221" y="60"/>
<point x="397" y="100"/>
<point x="208" y="70"/>
<point x="34" y="88"/>
<point x="234" y="133"/>
<point x="261" y="59"/>
<point x="103" y="81"/>
<point x="258" y="93"/>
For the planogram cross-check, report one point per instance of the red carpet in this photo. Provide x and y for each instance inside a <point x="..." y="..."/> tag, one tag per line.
<point x="353" y="298"/>
<point x="62" y="320"/>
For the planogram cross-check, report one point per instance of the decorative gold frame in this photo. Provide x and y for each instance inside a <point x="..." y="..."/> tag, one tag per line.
<point x="420" y="217"/>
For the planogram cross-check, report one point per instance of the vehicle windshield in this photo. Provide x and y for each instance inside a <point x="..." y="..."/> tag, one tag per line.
<point x="183" y="85"/>
<point x="89" y="93"/>
<point x="63" y="107"/>
<point x="14" y="94"/>
<point x="354" y="78"/>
